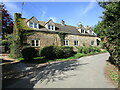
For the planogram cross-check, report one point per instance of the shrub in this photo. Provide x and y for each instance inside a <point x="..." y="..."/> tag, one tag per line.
<point x="29" y="53"/>
<point x="83" y="49"/>
<point x="67" y="51"/>
<point x="55" y="52"/>
<point x="6" y="43"/>
<point x="87" y="50"/>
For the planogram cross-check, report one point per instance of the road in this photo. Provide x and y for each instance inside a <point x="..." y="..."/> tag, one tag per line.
<point x="85" y="72"/>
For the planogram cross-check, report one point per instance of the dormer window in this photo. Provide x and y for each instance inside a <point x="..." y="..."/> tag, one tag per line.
<point x="82" y="31"/>
<point x="31" y="24"/>
<point x="35" y="25"/>
<point x="48" y="26"/>
<point x="51" y="27"/>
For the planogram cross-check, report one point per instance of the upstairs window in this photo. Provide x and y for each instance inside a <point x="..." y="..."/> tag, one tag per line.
<point x="31" y="24"/>
<point x="52" y="27"/>
<point x="35" y="25"/>
<point x="66" y="42"/>
<point x="90" y="32"/>
<point x="35" y="43"/>
<point x="82" y="31"/>
<point x="48" y="26"/>
<point x="76" y="43"/>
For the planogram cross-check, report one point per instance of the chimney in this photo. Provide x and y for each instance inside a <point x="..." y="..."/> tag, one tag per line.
<point x="18" y="15"/>
<point x="62" y="22"/>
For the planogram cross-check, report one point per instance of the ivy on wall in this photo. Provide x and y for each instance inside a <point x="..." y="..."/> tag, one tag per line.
<point x="19" y="34"/>
<point x="62" y="36"/>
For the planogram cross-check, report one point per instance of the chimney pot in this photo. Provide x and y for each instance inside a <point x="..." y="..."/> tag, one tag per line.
<point x="62" y="22"/>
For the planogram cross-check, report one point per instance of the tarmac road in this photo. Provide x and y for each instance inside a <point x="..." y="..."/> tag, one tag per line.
<point x="85" y="72"/>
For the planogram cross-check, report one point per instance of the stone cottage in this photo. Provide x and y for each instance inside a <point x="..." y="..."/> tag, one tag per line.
<point x="49" y="33"/>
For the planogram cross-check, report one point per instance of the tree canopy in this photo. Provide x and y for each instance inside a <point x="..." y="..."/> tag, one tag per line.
<point x="108" y="29"/>
<point x="7" y="22"/>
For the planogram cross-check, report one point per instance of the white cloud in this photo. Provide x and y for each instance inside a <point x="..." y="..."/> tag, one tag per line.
<point x="43" y="14"/>
<point x="53" y="18"/>
<point x="89" y="7"/>
<point x="43" y="11"/>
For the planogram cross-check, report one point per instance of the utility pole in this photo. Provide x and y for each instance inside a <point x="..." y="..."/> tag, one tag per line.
<point x="22" y="7"/>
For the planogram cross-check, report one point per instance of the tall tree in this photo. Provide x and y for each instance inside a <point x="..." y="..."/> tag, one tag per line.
<point x="108" y="29"/>
<point x="7" y="22"/>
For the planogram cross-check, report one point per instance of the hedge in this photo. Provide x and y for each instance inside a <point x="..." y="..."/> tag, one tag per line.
<point x="87" y="50"/>
<point x="55" y="52"/>
<point x="29" y="53"/>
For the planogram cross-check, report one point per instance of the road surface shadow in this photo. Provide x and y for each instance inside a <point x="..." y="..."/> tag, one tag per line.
<point x="48" y="73"/>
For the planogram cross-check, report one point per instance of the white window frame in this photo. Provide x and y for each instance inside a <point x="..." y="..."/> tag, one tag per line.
<point x="66" y="42"/>
<point x="50" y="27"/>
<point x="83" y="31"/>
<point x="35" y="43"/>
<point x="80" y="30"/>
<point x="77" y="42"/>
<point x="35" y="25"/>
<point x="31" y="26"/>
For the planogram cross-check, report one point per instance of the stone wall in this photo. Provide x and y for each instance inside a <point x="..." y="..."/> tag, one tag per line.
<point x="47" y="39"/>
<point x="82" y="40"/>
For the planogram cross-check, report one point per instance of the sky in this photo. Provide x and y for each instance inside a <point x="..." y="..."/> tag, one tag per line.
<point x="73" y="13"/>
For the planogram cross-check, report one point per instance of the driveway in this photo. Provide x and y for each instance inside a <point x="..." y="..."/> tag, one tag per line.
<point x="86" y="72"/>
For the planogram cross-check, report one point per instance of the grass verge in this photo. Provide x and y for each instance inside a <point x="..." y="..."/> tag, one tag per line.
<point x="43" y="60"/>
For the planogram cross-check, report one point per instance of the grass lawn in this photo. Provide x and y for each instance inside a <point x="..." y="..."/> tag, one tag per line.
<point x="43" y="60"/>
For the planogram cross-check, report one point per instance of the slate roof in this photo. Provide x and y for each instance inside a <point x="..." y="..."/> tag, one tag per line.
<point x="58" y="28"/>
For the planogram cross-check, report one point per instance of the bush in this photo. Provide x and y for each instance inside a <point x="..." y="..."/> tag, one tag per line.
<point x="29" y="53"/>
<point x="7" y="44"/>
<point x="67" y="51"/>
<point x="87" y="50"/>
<point x="55" y="52"/>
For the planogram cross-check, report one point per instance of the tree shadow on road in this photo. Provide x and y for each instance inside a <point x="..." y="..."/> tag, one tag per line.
<point x="48" y="73"/>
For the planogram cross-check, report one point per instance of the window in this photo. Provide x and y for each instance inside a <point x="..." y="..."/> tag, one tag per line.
<point x="98" y="42"/>
<point x="48" y="26"/>
<point x="35" y="43"/>
<point x="31" y="24"/>
<point x="82" y="31"/>
<point x="76" y="43"/>
<point x="52" y="27"/>
<point x="92" y="42"/>
<point x="90" y="32"/>
<point x="66" y="42"/>
<point x="35" y="25"/>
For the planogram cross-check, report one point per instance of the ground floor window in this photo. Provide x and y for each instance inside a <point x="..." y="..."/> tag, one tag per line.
<point x="35" y="43"/>
<point x="76" y="42"/>
<point x="92" y="42"/>
<point x="98" y="42"/>
<point x="66" y="42"/>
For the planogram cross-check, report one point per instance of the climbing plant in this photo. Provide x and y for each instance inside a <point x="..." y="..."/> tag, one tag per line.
<point x="62" y="37"/>
<point x="19" y="34"/>
<point x="16" y="45"/>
